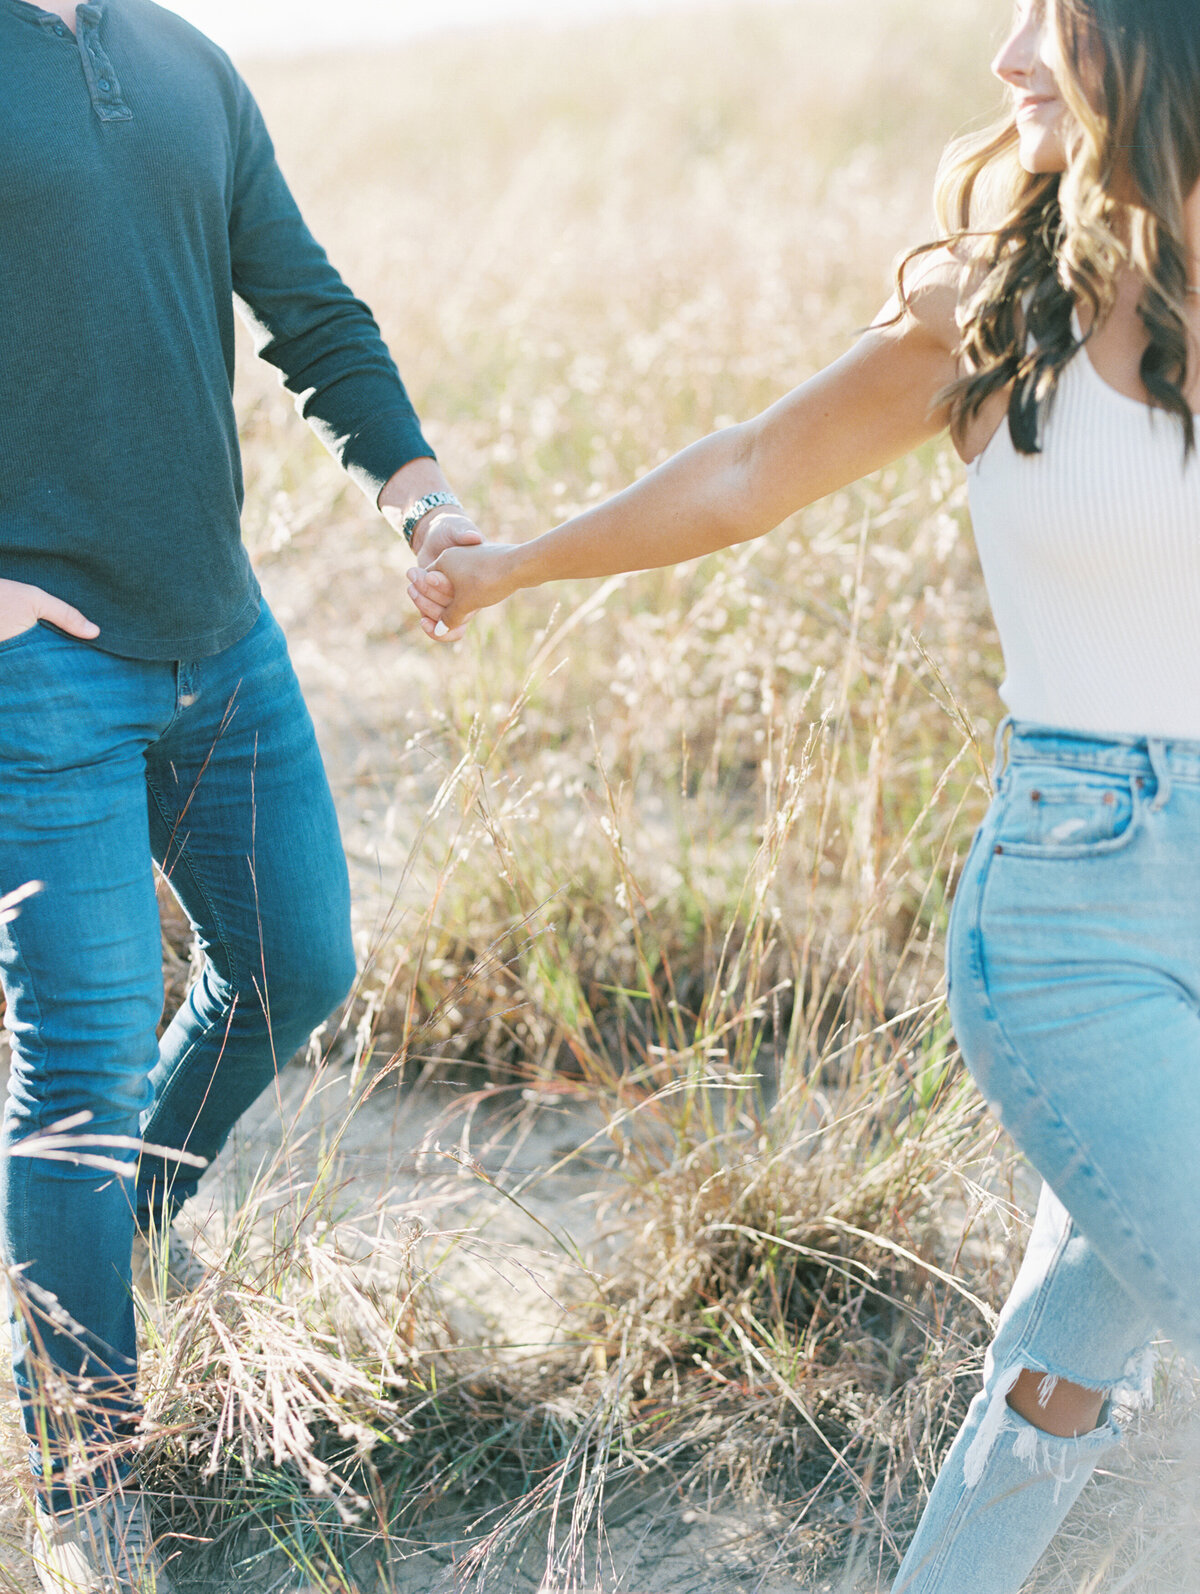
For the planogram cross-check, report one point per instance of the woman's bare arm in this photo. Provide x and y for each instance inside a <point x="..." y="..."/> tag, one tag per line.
<point x="877" y="402"/>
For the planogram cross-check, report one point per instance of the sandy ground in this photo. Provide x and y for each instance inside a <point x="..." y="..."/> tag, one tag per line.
<point x="654" y="1544"/>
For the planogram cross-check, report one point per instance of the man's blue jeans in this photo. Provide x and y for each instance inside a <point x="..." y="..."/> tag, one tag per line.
<point x="1074" y="967"/>
<point x="107" y="765"/>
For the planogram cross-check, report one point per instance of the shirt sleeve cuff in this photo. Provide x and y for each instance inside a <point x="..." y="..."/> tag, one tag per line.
<point x="372" y="455"/>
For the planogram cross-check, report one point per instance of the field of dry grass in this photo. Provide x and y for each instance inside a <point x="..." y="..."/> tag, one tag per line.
<point x="638" y="1228"/>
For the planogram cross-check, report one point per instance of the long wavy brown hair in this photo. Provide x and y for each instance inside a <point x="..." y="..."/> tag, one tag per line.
<point x="1129" y="72"/>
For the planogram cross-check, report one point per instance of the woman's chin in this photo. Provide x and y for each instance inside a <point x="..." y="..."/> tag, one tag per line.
<point x="1041" y="154"/>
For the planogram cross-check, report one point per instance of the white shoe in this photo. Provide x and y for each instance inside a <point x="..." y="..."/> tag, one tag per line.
<point x="103" y="1548"/>
<point x="165" y="1266"/>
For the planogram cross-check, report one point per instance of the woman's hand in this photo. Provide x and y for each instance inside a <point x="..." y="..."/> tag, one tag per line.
<point x="22" y="606"/>
<point x="460" y="581"/>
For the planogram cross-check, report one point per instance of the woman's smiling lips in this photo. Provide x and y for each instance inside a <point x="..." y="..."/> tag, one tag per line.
<point x="1031" y="105"/>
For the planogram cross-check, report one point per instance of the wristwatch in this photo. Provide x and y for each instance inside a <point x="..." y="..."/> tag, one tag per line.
<point x="421" y="508"/>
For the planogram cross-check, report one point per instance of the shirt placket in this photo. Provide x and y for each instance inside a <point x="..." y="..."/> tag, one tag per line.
<point x="103" y="84"/>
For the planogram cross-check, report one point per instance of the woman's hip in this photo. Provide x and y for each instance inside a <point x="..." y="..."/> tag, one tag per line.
<point x="1084" y="873"/>
<point x="1074" y="973"/>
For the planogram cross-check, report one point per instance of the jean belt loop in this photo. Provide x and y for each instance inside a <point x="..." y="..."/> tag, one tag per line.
<point x="1162" y="773"/>
<point x="185" y="684"/>
<point x="1003" y="742"/>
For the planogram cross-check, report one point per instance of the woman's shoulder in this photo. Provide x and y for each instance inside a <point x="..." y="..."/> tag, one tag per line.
<point x="936" y="284"/>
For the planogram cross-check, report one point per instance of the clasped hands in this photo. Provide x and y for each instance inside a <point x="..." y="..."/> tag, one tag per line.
<point x="447" y="590"/>
<point x="442" y="587"/>
<point x="431" y="589"/>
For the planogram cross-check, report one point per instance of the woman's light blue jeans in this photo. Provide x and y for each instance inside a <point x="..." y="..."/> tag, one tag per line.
<point x="1074" y="974"/>
<point x="106" y="766"/>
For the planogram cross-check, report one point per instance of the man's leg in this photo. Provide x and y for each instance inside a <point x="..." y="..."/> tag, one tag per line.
<point x="81" y="967"/>
<point x="244" y="827"/>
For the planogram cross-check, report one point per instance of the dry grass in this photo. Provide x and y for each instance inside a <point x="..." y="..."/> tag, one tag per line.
<point x="671" y="857"/>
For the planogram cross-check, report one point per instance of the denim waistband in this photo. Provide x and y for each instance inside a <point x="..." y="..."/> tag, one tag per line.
<point x="1021" y="741"/>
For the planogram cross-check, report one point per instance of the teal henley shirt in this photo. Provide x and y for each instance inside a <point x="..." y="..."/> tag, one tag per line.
<point x="139" y="199"/>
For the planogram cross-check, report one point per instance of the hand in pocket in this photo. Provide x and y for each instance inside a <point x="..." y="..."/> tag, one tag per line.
<point x="22" y="606"/>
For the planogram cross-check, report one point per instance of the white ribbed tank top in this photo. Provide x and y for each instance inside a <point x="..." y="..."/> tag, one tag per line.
<point x="1091" y="555"/>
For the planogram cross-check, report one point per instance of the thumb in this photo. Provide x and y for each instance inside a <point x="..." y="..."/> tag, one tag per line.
<point x="63" y="616"/>
<point x="467" y="536"/>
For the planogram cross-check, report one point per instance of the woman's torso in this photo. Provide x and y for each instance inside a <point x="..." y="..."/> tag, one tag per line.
<point x="1091" y="554"/>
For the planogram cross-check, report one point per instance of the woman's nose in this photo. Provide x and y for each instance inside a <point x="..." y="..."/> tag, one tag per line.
<point x="1018" y="53"/>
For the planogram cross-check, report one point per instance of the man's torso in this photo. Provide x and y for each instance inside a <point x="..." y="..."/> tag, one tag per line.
<point x="117" y="156"/>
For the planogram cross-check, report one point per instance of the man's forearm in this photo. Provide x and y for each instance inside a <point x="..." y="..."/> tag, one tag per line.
<point x="306" y="322"/>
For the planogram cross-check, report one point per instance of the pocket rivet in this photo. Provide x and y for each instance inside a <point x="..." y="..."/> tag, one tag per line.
<point x="1035" y="796"/>
<point x="1110" y="798"/>
<point x="999" y="849"/>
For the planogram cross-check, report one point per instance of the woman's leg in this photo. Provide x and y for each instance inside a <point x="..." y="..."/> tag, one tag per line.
<point x="1075" y="992"/>
<point x="1008" y="1481"/>
<point x="82" y="973"/>
<point x="244" y="827"/>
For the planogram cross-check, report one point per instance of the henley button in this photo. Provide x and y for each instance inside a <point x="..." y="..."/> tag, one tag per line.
<point x="60" y="30"/>
<point x="104" y="85"/>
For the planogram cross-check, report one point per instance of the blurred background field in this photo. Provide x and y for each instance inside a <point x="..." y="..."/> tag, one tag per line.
<point x="586" y="250"/>
<point x="295" y="27"/>
<point x="637" y="1227"/>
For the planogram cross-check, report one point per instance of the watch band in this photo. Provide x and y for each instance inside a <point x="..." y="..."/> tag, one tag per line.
<point x="421" y="508"/>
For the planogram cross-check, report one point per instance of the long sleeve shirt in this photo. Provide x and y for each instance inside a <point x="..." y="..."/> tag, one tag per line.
<point x="139" y="199"/>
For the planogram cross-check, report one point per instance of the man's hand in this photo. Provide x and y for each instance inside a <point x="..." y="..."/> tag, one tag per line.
<point x="441" y="529"/>
<point x="22" y="606"/>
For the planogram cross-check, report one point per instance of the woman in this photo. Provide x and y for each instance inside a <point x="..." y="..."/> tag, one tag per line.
<point x="1061" y="346"/>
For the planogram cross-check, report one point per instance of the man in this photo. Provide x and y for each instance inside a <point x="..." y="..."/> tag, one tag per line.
<point x="147" y="705"/>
